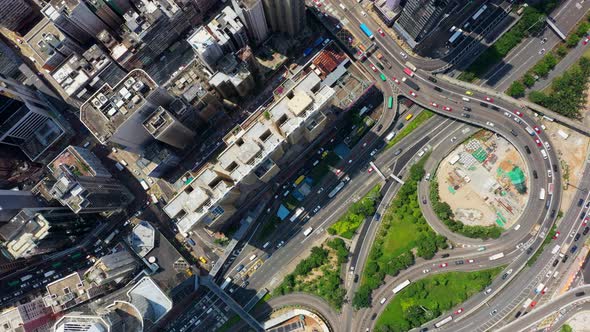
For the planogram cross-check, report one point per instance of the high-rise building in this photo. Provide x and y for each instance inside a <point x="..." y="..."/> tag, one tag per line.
<point x="26" y="120"/>
<point x="165" y="127"/>
<point x="9" y="61"/>
<point x="84" y="184"/>
<point x="418" y="18"/>
<point x="116" y="114"/>
<point x="286" y="16"/>
<point x="14" y="14"/>
<point x="251" y="12"/>
<point x="224" y="34"/>
<point x="29" y="316"/>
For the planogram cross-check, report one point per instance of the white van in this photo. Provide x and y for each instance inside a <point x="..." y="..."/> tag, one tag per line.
<point x="266" y="245"/>
<point x="123" y="162"/>
<point x="253" y="257"/>
<point x="383" y="300"/>
<point x="544" y="153"/>
<point x="466" y="99"/>
<point x="517" y="227"/>
<point x="308" y="231"/>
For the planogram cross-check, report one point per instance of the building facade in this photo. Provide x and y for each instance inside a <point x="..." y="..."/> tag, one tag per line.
<point x="286" y="16"/>
<point x="251" y="12"/>
<point x="418" y="18"/>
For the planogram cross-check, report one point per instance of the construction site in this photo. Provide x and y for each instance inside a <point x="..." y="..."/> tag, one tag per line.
<point x="484" y="181"/>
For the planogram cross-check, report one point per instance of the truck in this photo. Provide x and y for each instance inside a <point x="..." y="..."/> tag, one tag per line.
<point x="409" y="72"/>
<point x="390" y="136"/>
<point x="563" y="134"/>
<point x="542" y="194"/>
<point x="48" y="273"/>
<point x="366" y="30"/>
<point x="144" y="185"/>
<point x="296" y="215"/>
<point x="496" y="256"/>
<point x="539" y="288"/>
<point x="527" y="303"/>
<point x="227" y="281"/>
<point x="411" y="66"/>
<point x="555" y="249"/>
<point x="530" y="131"/>
<point x="308" y="231"/>
<point x="25" y="278"/>
<point x="411" y="84"/>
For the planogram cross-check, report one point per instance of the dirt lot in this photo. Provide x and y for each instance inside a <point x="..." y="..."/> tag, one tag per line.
<point x="572" y="152"/>
<point x="475" y="180"/>
<point x="580" y="322"/>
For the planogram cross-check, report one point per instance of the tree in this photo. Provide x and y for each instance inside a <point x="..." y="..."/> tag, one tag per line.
<point x="566" y="328"/>
<point x="528" y="80"/>
<point x="362" y="297"/>
<point x="516" y="89"/>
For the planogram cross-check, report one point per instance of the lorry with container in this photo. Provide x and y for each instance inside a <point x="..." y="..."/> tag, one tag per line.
<point x="411" y="84"/>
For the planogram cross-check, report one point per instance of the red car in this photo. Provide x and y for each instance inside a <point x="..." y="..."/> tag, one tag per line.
<point x="374" y="69"/>
<point x="370" y="170"/>
<point x="518" y="113"/>
<point x="537" y="129"/>
<point x="544" y="290"/>
<point x="443" y="265"/>
<point x="381" y="32"/>
<point x="447" y="108"/>
<point x="458" y="311"/>
<point x="338" y="171"/>
<point x="585" y="222"/>
<point x="556" y="235"/>
<point x="413" y="93"/>
<point x="434" y="104"/>
<point x="533" y="304"/>
<point x="491" y="100"/>
<point x="396" y="80"/>
<point x="585" y="41"/>
<point x="539" y="144"/>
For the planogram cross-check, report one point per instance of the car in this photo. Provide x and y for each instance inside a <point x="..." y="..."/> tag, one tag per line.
<point x="338" y="171"/>
<point x="397" y="152"/>
<point x="542" y="51"/>
<point x="280" y="244"/>
<point x="434" y="104"/>
<point x="453" y="139"/>
<point x="374" y="68"/>
<point x="487" y="291"/>
<point x="564" y="259"/>
<point x="491" y="100"/>
<point x="396" y="80"/>
<point x="539" y="144"/>
<point x="404" y="55"/>
<point x="586" y="230"/>
<point x="495" y="311"/>
<point x="577" y="237"/>
<point x="442" y="265"/>
<point x="467" y="109"/>
<point x="508" y="114"/>
<point x="458" y="311"/>
<point x="465" y="115"/>
<point x="533" y="304"/>
<point x="535" y="175"/>
<point x="356" y="278"/>
<point x="423" y="199"/>
<point x="413" y="94"/>
<point x="549" y="173"/>
<point x="381" y="32"/>
<point x="470" y="261"/>
<point x="316" y="209"/>
<point x="240" y="268"/>
<point x="469" y="93"/>
<point x="518" y="113"/>
<point x="370" y="170"/>
<point x="374" y="152"/>
<point x="537" y="129"/>
<point x="527" y="149"/>
<point x="573" y="249"/>
<point x="445" y="255"/>
<point x="549" y="273"/>
<point x="459" y="262"/>
<point x="556" y="235"/>
<point x="518" y="314"/>
<point x="585" y="41"/>
<point x="425" y="271"/>
<point x="491" y="124"/>
<point x="447" y="108"/>
<point x="321" y="190"/>
<point x="373" y="316"/>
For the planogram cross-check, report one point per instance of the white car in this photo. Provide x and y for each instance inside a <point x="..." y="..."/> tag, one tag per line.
<point x="425" y="271"/>
<point x="374" y="152"/>
<point x="404" y="55"/>
<point x="508" y="114"/>
<point x="491" y="124"/>
<point x="317" y="209"/>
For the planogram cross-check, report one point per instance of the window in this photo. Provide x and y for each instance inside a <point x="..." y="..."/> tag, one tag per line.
<point x="232" y="166"/>
<point x="217" y="211"/>
<point x="265" y="135"/>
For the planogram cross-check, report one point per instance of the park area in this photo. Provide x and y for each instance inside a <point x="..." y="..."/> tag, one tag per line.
<point x="430" y="297"/>
<point x="403" y="233"/>
<point x="347" y="225"/>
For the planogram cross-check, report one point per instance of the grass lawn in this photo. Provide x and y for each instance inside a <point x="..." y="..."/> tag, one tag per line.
<point x="418" y="120"/>
<point x="435" y="294"/>
<point x="547" y="240"/>
<point x="347" y="225"/>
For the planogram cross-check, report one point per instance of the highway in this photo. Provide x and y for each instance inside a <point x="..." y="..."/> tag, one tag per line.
<point x="529" y="51"/>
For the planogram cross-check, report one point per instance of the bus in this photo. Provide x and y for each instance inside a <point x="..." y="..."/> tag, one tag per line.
<point x="401" y="286"/>
<point x="14" y="283"/>
<point x="56" y="265"/>
<point x="390" y="102"/>
<point x="296" y="215"/>
<point x="367" y="31"/>
<point x="542" y="194"/>
<point x="455" y="36"/>
<point x="383" y="78"/>
<point x="443" y="322"/>
<point x="336" y="189"/>
<point x="227" y="281"/>
<point x="409" y="116"/>
<point x="479" y="12"/>
<point x="496" y="256"/>
<point x="409" y="72"/>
